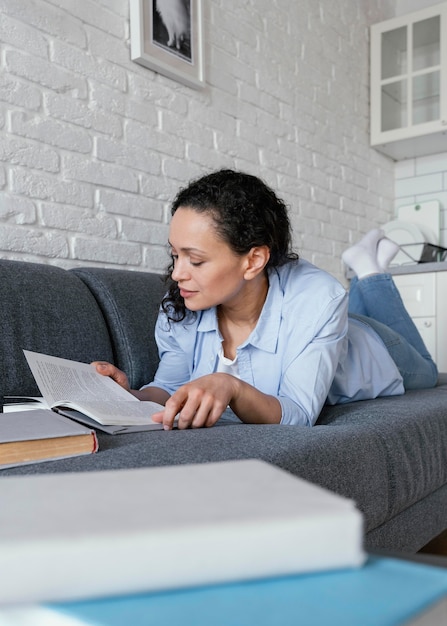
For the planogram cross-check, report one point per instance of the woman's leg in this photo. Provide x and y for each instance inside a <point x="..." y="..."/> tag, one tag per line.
<point x="377" y="302"/>
<point x="375" y="298"/>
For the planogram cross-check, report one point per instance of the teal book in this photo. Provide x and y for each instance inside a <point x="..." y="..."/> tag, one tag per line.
<point x="384" y="592"/>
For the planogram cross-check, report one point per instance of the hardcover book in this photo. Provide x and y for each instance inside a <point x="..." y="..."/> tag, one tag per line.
<point x="41" y="435"/>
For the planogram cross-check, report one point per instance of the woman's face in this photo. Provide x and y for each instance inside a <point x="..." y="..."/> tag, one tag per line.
<point x="206" y="269"/>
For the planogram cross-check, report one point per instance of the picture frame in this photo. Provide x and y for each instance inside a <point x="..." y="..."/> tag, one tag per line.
<point x="167" y="36"/>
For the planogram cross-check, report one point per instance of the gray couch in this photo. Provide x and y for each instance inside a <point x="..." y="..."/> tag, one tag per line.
<point x="389" y="455"/>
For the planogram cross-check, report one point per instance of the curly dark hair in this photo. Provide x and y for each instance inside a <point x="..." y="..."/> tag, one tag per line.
<point x="246" y="212"/>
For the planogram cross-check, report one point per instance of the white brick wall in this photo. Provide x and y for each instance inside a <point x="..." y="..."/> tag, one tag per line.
<point x="93" y="146"/>
<point x="423" y="179"/>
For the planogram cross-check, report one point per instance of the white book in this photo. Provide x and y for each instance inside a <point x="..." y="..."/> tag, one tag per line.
<point x="91" y="534"/>
<point x="94" y="399"/>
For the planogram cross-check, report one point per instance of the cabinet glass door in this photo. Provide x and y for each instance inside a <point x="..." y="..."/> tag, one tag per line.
<point x="394" y="105"/>
<point x="394" y="68"/>
<point x="426" y="70"/>
<point x="410" y="74"/>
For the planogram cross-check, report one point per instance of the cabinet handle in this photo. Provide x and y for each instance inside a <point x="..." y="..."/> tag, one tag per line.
<point x="427" y="324"/>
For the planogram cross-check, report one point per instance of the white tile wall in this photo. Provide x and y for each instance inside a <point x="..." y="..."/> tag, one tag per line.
<point x="93" y="146"/>
<point x="422" y="179"/>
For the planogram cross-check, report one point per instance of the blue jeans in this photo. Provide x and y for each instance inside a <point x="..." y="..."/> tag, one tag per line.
<point x="376" y="301"/>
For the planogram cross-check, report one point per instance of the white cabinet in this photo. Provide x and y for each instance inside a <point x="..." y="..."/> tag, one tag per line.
<point x="425" y="298"/>
<point x="409" y="84"/>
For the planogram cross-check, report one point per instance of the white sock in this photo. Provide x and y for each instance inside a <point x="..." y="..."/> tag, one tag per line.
<point x="386" y="251"/>
<point x="362" y="256"/>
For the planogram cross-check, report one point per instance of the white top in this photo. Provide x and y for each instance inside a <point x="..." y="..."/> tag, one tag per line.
<point x="227" y="366"/>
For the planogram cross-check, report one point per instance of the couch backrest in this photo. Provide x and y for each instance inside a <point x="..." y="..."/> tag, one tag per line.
<point x="129" y="302"/>
<point x="45" y="309"/>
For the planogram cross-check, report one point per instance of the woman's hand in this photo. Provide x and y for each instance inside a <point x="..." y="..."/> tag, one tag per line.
<point x="200" y="402"/>
<point x="107" y="369"/>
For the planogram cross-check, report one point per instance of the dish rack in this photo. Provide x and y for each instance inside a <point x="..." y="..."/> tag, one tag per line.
<point x="423" y="253"/>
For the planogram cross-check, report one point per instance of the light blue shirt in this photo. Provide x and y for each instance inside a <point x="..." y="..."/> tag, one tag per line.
<point x="299" y="351"/>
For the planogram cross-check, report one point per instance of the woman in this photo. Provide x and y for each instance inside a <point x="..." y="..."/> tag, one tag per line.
<point x="247" y="325"/>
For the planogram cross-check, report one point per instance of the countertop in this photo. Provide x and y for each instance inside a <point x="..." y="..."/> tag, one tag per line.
<point x="418" y="268"/>
<point x="411" y="268"/>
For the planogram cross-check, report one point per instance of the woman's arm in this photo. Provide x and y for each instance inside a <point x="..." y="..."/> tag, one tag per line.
<point x="201" y="402"/>
<point x="309" y="368"/>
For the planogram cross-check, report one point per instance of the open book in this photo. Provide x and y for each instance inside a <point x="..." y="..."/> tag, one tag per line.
<point x="78" y="391"/>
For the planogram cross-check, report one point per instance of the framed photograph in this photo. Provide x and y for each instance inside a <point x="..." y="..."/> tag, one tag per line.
<point x="166" y="36"/>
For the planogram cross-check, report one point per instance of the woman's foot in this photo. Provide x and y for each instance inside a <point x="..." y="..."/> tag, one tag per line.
<point x="362" y="257"/>
<point x="386" y="251"/>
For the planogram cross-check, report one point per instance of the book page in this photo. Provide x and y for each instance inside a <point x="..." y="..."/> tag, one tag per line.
<point x="12" y="404"/>
<point x="78" y="385"/>
<point x="115" y="413"/>
<point x="111" y="429"/>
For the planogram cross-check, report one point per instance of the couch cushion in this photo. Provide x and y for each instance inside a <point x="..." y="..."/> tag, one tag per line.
<point x="129" y="302"/>
<point x="321" y="455"/>
<point x="412" y="430"/>
<point x="412" y="529"/>
<point x="45" y="309"/>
